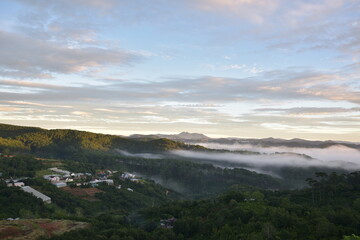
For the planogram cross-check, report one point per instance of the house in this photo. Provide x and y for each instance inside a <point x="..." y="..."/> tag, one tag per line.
<point x="19" y="184"/>
<point x="109" y="181"/>
<point x="96" y="182"/>
<point x="167" y="223"/>
<point x="57" y="170"/>
<point x="102" y="176"/>
<point x="52" y="178"/>
<point x="78" y="175"/>
<point x="127" y="175"/>
<point x="69" y="180"/>
<point x="130" y="189"/>
<point x="15" y="184"/>
<point x="59" y="184"/>
<point x="36" y="193"/>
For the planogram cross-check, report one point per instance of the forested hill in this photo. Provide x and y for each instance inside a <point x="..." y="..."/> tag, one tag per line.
<point x="7" y="131"/>
<point x="62" y="141"/>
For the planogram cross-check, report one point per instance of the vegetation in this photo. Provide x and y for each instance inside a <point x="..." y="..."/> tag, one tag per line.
<point x="199" y="180"/>
<point x="65" y="205"/>
<point x="248" y="215"/>
<point x="86" y="152"/>
<point x="35" y="228"/>
<point x="67" y="143"/>
<point x="19" y="166"/>
<point x="255" y="206"/>
<point x="7" y="131"/>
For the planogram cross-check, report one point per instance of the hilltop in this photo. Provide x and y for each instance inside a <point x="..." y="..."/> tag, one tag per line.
<point x="62" y="142"/>
<point x="183" y="136"/>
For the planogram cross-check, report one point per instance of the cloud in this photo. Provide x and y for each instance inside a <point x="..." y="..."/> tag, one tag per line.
<point x="332" y="157"/>
<point x="270" y="160"/>
<point x="21" y="54"/>
<point x="210" y="91"/>
<point x="309" y="110"/>
<point x="81" y="114"/>
<point x="29" y="84"/>
<point x="37" y="104"/>
<point x="333" y="153"/>
<point x="9" y="109"/>
<point x="252" y="10"/>
<point x="141" y="155"/>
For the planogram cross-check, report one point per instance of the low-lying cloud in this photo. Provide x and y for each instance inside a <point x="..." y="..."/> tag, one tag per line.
<point x="337" y="156"/>
<point x="140" y="155"/>
<point x="267" y="159"/>
<point x="333" y="153"/>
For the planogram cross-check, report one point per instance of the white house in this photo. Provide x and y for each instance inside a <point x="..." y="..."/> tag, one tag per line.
<point x="15" y="184"/>
<point x="63" y="172"/>
<point x="127" y="175"/>
<point x="19" y="184"/>
<point x="52" y="178"/>
<point x="69" y="180"/>
<point x="59" y="184"/>
<point x="107" y="181"/>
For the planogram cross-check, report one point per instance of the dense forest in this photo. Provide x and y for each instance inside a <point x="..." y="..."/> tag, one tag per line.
<point x="328" y="209"/>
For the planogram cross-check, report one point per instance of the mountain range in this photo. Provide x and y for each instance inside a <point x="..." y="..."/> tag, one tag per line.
<point x="193" y="138"/>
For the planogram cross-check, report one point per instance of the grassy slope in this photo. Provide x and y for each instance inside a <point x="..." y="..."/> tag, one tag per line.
<point x="35" y="228"/>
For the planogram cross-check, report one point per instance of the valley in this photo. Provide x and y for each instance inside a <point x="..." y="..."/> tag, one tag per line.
<point x="138" y="183"/>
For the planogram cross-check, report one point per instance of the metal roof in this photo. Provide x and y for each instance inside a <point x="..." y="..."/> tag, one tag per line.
<point x="36" y="193"/>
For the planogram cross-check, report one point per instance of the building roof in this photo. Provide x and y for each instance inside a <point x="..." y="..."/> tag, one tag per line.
<point x="59" y="184"/>
<point x="36" y="193"/>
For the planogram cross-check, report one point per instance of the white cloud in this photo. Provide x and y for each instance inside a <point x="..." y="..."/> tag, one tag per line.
<point x="22" y="54"/>
<point x="252" y="10"/>
<point x="82" y="114"/>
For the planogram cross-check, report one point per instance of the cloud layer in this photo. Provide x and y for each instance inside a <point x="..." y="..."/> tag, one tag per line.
<point x="233" y="68"/>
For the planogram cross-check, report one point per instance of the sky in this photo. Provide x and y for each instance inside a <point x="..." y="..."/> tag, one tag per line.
<point x="225" y="68"/>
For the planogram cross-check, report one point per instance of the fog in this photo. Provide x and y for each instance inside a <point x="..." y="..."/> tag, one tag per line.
<point x="269" y="159"/>
<point x="168" y="183"/>
<point x="337" y="156"/>
<point x="140" y="155"/>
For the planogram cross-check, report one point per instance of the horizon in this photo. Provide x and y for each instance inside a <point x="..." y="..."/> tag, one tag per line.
<point x="232" y="68"/>
<point x="177" y="133"/>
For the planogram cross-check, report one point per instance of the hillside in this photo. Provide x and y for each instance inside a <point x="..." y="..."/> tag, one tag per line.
<point x="86" y="152"/>
<point x="62" y="143"/>
<point x="173" y="196"/>
<point x="328" y="210"/>
<point x="35" y="228"/>
<point x="7" y="131"/>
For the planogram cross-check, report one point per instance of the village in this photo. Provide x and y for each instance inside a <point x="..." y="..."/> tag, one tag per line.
<point x="82" y="185"/>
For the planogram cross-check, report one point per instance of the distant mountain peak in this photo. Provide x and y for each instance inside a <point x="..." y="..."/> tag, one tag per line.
<point x="191" y="136"/>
